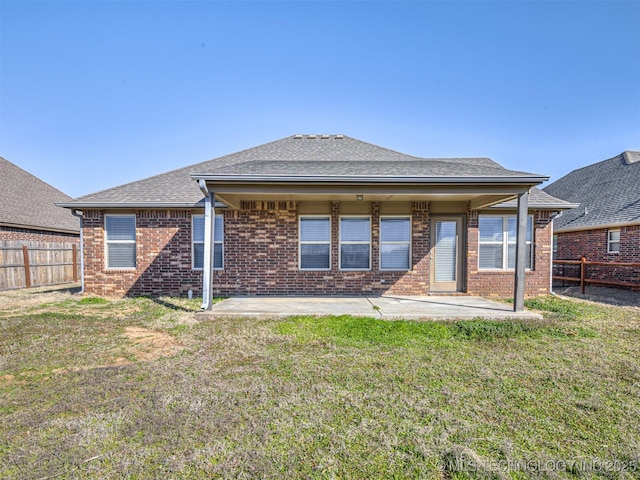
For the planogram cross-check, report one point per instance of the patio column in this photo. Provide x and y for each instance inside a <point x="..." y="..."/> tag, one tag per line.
<point x="207" y="267"/>
<point x="521" y="251"/>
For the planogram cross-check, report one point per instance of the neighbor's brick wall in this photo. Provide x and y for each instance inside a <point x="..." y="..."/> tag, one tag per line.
<point x="31" y="235"/>
<point x="500" y="284"/>
<point x="592" y="244"/>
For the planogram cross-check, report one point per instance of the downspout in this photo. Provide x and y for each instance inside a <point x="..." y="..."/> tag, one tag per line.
<point x="553" y="217"/>
<point x="78" y="213"/>
<point x="207" y="267"/>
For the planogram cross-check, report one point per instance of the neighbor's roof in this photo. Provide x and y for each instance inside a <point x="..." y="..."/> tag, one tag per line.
<point x="28" y="202"/>
<point x="608" y="193"/>
<point x="301" y="156"/>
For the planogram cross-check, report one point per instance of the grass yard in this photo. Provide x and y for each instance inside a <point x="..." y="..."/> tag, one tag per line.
<point x="137" y="388"/>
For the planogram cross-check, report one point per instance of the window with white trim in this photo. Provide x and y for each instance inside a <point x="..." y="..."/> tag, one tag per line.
<point x="395" y="243"/>
<point x="497" y="242"/>
<point x="120" y="241"/>
<point x="555" y="243"/>
<point x="197" y="242"/>
<point x="613" y="241"/>
<point x="314" y="237"/>
<point x="355" y="243"/>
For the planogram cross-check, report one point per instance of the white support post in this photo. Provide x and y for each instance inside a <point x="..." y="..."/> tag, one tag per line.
<point x="521" y="252"/>
<point x="209" y="235"/>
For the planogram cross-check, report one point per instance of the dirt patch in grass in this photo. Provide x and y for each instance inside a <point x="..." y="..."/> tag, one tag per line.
<point x="145" y="346"/>
<point x="150" y="345"/>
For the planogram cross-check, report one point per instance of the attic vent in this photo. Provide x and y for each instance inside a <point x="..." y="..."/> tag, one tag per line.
<point x="297" y="137"/>
<point x="631" y="157"/>
<point x="324" y="136"/>
<point x="311" y="137"/>
<point x="339" y="137"/>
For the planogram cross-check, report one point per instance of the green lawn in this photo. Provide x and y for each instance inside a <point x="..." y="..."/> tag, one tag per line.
<point x="137" y="389"/>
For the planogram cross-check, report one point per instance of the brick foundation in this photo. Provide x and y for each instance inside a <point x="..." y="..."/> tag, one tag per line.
<point x="261" y="257"/>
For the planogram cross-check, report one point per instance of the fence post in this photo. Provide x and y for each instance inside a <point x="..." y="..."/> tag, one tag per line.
<point x="583" y="268"/>
<point x="27" y="269"/>
<point x="75" y="262"/>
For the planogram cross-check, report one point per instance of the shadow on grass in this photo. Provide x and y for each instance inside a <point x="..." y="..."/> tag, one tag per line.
<point x="170" y="305"/>
<point x="52" y="289"/>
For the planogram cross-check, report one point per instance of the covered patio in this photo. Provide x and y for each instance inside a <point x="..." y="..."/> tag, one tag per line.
<point x="384" y="307"/>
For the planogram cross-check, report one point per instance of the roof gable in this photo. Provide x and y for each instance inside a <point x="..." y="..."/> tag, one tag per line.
<point x="28" y="202"/>
<point x="608" y="193"/>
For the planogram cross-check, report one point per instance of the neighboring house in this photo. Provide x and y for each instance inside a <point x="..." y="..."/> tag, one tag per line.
<point x="606" y="225"/>
<point x="321" y="215"/>
<point x="27" y="209"/>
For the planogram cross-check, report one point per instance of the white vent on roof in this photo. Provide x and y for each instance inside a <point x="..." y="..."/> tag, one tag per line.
<point x="339" y="136"/>
<point x="631" y="157"/>
<point x="297" y="137"/>
<point x="325" y="136"/>
<point x="311" y="137"/>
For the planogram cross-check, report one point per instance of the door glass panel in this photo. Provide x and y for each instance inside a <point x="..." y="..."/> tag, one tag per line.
<point x="445" y="264"/>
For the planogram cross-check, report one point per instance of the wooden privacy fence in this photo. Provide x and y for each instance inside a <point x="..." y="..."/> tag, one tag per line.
<point x="610" y="274"/>
<point x="37" y="264"/>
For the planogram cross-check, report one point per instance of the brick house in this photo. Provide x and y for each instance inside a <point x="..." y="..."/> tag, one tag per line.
<point x="606" y="225"/>
<point x="321" y="215"/>
<point x="28" y="212"/>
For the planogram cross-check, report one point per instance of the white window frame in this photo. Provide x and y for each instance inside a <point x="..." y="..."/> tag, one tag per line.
<point x="193" y="242"/>
<point x="409" y="242"/>
<point x="555" y="243"/>
<point x="611" y="242"/>
<point x="107" y="242"/>
<point x="340" y="243"/>
<point x="505" y="242"/>
<point x="323" y="242"/>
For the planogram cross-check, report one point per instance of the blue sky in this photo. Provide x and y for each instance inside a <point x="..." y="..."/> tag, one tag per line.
<point x="95" y="94"/>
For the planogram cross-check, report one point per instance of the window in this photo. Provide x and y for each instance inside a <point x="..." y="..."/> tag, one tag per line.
<point x="355" y="243"/>
<point x="120" y="236"/>
<point x="315" y="242"/>
<point x="395" y="243"/>
<point x="613" y="241"/>
<point x="497" y="243"/>
<point x="197" y="240"/>
<point x="555" y="244"/>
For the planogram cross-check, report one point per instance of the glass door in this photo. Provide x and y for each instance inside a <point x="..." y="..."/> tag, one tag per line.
<point x="446" y="271"/>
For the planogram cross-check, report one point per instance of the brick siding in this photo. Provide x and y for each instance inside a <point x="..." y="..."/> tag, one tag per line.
<point x="163" y="256"/>
<point x="31" y="235"/>
<point x="261" y="257"/>
<point x="500" y="284"/>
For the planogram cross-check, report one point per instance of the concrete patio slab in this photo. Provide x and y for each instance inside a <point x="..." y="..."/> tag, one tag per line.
<point x="387" y="307"/>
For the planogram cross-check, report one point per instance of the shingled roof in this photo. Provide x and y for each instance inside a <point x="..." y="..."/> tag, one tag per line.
<point x="300" y="156"/>
<point x="608" y="193"/>
<point x="541" y="200"/>
<point x="28" y="202"/>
